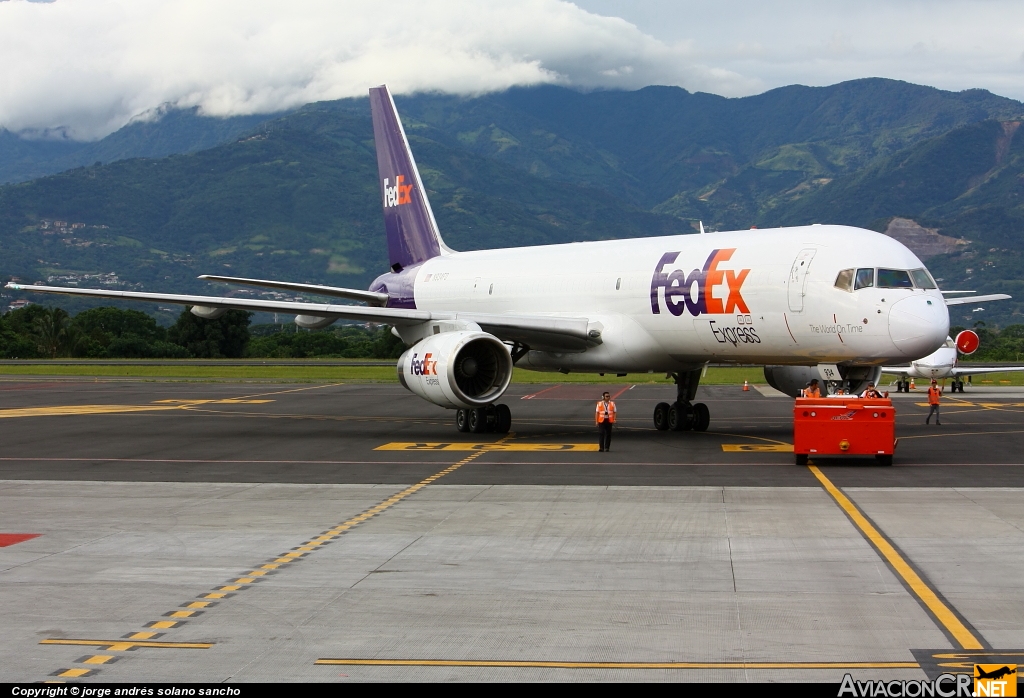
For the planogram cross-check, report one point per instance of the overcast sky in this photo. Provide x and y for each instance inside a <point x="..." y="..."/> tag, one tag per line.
<point x="86" y="67"/>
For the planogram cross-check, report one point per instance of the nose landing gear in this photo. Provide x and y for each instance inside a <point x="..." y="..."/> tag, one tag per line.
<point x="683" y="415"/>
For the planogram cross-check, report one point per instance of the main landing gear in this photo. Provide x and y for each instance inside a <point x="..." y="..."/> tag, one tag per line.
<point x="902" y="386"/>
<point x="495" y="419"/>
<point x="957" y="386"/>
<point x="683" y="414"/>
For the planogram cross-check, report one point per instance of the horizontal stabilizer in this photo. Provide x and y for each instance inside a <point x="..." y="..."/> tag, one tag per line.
<point x="369" y="297"/>
<point x="978" y="299"/>
<point x="963" y="370"/>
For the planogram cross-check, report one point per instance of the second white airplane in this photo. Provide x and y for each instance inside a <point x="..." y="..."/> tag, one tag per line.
<point x="817" y="301"/>
<point x="944" y="363"/>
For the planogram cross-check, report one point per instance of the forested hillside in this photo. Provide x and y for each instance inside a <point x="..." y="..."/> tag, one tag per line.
<point x="296" y="197"/>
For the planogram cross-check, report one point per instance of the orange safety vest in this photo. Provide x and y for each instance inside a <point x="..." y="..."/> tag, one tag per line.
<point x="605" y="412"/>
<point x="933" y="395"/>
<point x="812" y="392"/>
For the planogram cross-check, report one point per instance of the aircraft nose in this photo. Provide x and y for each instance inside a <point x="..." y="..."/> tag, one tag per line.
<point x="918" y="325"/>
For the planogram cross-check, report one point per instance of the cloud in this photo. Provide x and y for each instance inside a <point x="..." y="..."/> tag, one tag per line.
<point x="86" y="67"/>
<point x="950" y="44"/>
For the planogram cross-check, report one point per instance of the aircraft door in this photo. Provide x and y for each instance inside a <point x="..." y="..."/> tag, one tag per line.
<point x="798" y="279"/>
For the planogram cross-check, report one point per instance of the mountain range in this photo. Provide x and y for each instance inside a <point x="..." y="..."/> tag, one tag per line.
<point x="295" y="195"/>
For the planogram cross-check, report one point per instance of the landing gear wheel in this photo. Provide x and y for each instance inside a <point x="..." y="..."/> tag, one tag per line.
<point x="478" y="420"/>
<point x="502" y="419"/>
<point x="801" y="459"/>
<point x="701" y="417"/>
<point x="884" y="460"/>
<point x="661" y="416"/>
<point x="462" y="420"/>
<point x="680" y="417"/>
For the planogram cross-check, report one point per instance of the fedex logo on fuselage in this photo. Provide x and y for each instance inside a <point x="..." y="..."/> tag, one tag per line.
<point x="423" y="367"/>
<point x="398" y="194"/>
<point x="717" y="290"/>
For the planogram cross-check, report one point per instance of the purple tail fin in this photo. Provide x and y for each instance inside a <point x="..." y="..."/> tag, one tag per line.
<point x="411" y="229"/>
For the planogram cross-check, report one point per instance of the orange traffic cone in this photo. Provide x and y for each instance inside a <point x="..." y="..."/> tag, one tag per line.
<point x="746" y="386"/>
<point x="912" y="384"/>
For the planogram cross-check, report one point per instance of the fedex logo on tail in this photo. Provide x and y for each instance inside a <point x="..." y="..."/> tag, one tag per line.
<point x="397" y="195"/>
<point x="424" y="366"/>
<point x="710" y="290"/>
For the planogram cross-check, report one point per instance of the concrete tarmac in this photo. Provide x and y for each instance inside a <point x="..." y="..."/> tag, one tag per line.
<point x="240" y="532"/>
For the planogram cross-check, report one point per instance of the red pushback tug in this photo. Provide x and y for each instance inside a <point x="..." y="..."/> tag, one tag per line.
<point x="848" y="425"/>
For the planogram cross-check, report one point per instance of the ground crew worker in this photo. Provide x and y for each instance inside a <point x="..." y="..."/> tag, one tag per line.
<point x="934" y="391"/>
<point x="871" y="392"/>
<point x="605" y="418"/>
<point x="812" y="389"/>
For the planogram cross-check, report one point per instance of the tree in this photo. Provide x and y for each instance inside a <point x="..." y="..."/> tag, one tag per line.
<point x="124" y="334"/>
<point x="53" y="333"/>
<point x="105" y="324"/>
<point x="12" y="344"/>
<point x="225" y="337"/>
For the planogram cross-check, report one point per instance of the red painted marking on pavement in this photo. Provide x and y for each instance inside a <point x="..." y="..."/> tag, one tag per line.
<point x="541" y="392"/>
<point x="621" y="391"/>
<point x="579" y="391"/>
<point x="12" y="538"/>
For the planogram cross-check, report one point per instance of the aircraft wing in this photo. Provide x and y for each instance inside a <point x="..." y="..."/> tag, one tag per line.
<point x="895" y="370"/>
<point x="977" y="299"/>
<point x="369" y="297"/>
<point x="538" y="331"/>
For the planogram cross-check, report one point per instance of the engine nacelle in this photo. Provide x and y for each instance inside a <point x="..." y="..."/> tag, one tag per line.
<point x="967" y="342"/>
<point x="313" y="322"/>
<point x="208" y="313"/>
<point x="463" y="369"/>
<point x="792" y="379"/>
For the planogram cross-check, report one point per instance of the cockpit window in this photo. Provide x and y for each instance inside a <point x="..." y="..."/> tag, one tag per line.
<point x="922" y="279"/>
<point x="844" y="280"/>
<point x="865" y="278"/>
<point x="894" y="278"/>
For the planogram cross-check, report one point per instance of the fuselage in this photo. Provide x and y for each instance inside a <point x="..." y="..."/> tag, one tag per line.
<point x="670" y="303"/>
<point x="939" y="364"/>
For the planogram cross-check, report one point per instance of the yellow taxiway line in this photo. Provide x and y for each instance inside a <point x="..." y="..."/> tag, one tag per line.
<point x="617" y="665"/>
<point x="494" y="446"/>
<point x="122" y="645"/>
<point x="918" y="586"/>
<point x="757" y="448"/>
<point x="162" y="405"/>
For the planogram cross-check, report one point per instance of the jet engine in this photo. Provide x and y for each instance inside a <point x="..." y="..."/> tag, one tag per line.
<point x="792" y="379"/>
<point x="464" y="369"/>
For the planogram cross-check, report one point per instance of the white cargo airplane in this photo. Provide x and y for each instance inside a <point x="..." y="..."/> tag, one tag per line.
<point x="821" y="300"/>
<point x="944" y="363"/>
